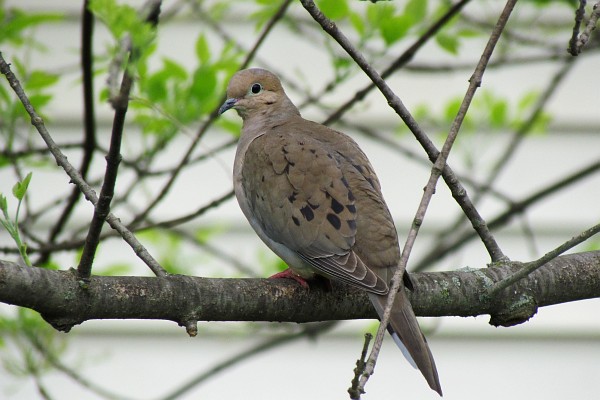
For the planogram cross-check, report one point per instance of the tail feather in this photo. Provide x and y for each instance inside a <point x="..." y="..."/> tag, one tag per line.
<point x="405" y="331"/>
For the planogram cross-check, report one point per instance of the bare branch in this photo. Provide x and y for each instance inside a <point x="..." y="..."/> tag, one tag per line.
<point x="458" y="191"/>
<point x="529" y="267"/>
<point x="457" y="240"/>
<point x="436" y="171"/>
<point x="579" y="40"/>
<point x="401" y="61"/>
<point x="204" y="128"/>
<point x="89" y="122"/>
<point x="75" y="176"/>
<point x="176" y="298"/>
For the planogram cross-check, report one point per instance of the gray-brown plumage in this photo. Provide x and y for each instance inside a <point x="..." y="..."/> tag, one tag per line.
<point x="312" y="196"/>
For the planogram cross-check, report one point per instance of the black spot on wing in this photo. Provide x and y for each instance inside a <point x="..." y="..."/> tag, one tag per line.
<point x="351" y="196"/>
<point x="334" y="220"/>
<point x="292" y="197"/>
<point x="345" y="182"/>
<point x="351" y="224"/>
<point x="336" y="206"/>
<point x="351" y="208"/>
<point x="296" y="221"/>
<point x="307" y="213"/>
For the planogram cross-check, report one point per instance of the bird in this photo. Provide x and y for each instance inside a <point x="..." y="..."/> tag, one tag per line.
<point x="312" y="196"/>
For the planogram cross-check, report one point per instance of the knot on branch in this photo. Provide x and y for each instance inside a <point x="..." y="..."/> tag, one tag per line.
<point x="191" y="327"/>
<point x="514" y="311"/>
<point x="62" y="324"/>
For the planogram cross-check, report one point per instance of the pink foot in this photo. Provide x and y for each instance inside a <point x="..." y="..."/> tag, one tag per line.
<point x="289" y="274"/>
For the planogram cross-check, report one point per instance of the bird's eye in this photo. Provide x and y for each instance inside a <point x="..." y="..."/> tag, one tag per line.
<point x="256" y="88"/>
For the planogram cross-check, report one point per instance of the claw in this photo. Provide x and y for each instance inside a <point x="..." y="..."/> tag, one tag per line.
<point x="289" y="274"/>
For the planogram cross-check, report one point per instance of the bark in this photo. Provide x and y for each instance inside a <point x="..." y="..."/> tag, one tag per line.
<point x="64" y="301"/>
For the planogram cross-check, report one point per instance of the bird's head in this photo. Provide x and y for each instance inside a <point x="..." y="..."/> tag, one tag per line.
<point x="254" y="92"/>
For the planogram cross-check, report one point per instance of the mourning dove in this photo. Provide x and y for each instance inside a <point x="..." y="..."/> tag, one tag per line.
<point x="312" y="196"/>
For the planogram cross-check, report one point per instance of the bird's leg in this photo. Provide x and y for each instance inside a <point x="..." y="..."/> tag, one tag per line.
<point x="290" y="274"/>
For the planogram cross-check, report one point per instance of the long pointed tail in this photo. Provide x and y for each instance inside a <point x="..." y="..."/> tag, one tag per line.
<point x="405" y="330"/>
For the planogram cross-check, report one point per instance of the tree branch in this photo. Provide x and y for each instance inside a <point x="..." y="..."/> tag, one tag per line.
<point x="454" y="242"/>
<point x="75" y="176"/>
<point x="458" y="191"/>
<point x="58" y="296"/>
<point x="89" y="122"/>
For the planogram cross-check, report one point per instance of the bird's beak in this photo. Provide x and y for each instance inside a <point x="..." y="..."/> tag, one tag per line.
<point x="229" y="103"/>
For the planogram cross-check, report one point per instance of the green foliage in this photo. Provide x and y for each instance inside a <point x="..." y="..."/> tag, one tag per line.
<point x="393" y="24"/>
<point x="266" y="10"/>
<point x="36" y="344"/>
<point x="121" y="20"/>
<point x="448" y="42"/>
<point x="15" y="25"/>
<point x="171" y="97"/>
<point x="167" y="247"/>
<point x="270" y="263"/>
<point x="334" y="9"/>
<point x="12" y="226"/>
<point x="17" y="30"/>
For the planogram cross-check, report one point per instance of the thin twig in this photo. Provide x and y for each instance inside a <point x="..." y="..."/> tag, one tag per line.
<point x="579" y="14"/>
<point x="458" y="191"/>
<point x="120" y="103"/>
<point x="56" y="363"/>
<point x="113" y="158"/>
<point x="436" y="171"/>
<point x="400" y="62"/>
<point x="457" y="240"/>
<point x="440" y="162"/>
<point x="590" y="26"/>
<point x="186" y="218"/>
<point x="213" y="115"/>
<point x="89" y="121"/>
<point x="502" y="161"/>
<point x="529" y="267"/>
<point x="310" y="330"/>
<point x="75" y="176"/>
<point x="412" y="155"/>
<point x="354" y="391"/>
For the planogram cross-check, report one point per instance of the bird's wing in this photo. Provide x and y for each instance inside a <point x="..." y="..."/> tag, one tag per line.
<point x="303" y="191"/>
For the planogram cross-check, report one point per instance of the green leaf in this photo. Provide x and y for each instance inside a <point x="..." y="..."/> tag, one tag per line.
<point x="379" y="12"/>
<point x="416" y="9"/>
<point x="204" y="83"/>
<point x="448" y="42"/>
<point x="4" y="205"/>
<point x="334" y="9"/>
<point x="21" y="187"/>
<point x="40" y="79"/>
<point x="451" y="109"/>
<point x="395" y="28"/>
<point x="174" y="70"/>
<point x="123" y="19"/>
<point x="527" y="100"/>
<point x="39" y="100"/>
<point x="231" y="126"/>
<point x="498" y="114"/>
<point x="202" y="49"/>
<point x="15" y="22"/>
<point x="357" y="22"/>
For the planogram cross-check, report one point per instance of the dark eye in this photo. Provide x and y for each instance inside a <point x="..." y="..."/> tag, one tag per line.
<point x="256" y="88"/>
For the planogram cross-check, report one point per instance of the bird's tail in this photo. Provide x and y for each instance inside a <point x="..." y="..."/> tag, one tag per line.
<point x="404" y="328"/>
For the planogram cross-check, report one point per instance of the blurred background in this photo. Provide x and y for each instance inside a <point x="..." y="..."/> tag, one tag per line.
<point x="534" y="122"/>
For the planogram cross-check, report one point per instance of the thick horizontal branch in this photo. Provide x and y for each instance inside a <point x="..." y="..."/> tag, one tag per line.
<point x="63" y="302"/>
